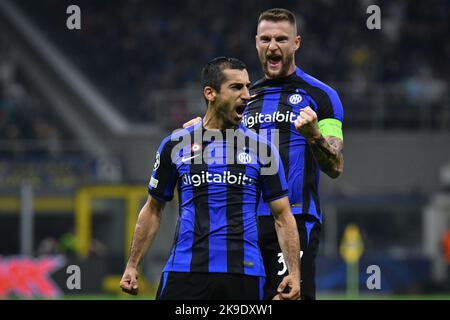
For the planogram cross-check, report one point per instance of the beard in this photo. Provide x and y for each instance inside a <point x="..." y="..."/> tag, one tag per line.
<point x="225" y="111"/>
<point x="286" y="62"/>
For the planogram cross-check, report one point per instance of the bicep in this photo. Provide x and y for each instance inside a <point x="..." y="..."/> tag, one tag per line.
<point x="151" y="211"/>
<point x="164" y="176"/>
<point x="329" y="105"/>
<point x="279" y="207"/>
<point x="330" y="113"/>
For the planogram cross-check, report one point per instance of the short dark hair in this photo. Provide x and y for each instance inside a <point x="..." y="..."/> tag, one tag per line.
<point x="278" y="14"/>
<point x="212" y="74"/>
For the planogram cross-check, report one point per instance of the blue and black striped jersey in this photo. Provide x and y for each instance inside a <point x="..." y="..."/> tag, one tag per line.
<point x="220" y="182"/>
<point x="275" y="104"/>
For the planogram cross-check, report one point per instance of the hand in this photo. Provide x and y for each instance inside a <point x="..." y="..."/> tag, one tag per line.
<point x="191" y="122"/>
<point x="129" y="283"/>
<point x="306" y="124"/>
<point x="289" y="288"/>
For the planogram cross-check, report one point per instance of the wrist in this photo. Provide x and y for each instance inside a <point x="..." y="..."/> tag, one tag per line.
<point x="295" y="274"/>
<point x="315" y="138"/>
<point x="132" y="264"/>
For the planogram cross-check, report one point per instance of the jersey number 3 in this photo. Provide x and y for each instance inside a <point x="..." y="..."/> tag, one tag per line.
<point x="283" y="263"/>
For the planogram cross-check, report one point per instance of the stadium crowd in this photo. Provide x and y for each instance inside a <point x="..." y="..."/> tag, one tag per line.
<point x="131" y="49"/>
<point x="24" y="114"/>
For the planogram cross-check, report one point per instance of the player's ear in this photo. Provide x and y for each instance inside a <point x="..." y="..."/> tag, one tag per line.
<point x="209" y="93"/>
<point x="298" y="42"/>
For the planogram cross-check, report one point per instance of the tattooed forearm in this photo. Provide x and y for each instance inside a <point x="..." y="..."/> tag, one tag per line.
<point x="328" y="153"/>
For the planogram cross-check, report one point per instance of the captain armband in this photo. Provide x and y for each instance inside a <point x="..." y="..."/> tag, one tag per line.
<point x="331" y="127"/>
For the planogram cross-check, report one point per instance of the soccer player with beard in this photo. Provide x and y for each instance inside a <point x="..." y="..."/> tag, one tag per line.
<point x="310" y="140"/>
<point x="307" y="116"/>
<point x="216" y="252"/>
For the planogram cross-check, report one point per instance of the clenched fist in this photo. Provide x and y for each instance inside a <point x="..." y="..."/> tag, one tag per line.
<point x="306" y="124"/>
<point x="129" y="283"/>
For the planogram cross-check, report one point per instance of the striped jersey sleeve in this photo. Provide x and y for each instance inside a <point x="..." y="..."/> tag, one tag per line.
<point x="327" y="100"/>
<point x="164" y="176"/>
<point x="329" y="105"/>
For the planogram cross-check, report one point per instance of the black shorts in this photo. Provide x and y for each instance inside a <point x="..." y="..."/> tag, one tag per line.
<point x="209" y="286"/>
<point x="309" y="231"/>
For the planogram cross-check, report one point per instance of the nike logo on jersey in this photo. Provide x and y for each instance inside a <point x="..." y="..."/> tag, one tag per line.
<point x="185" y="159"/>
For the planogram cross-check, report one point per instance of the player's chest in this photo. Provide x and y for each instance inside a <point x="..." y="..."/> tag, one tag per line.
<point x="218" y="163"/>
<point x="275" y="109"/>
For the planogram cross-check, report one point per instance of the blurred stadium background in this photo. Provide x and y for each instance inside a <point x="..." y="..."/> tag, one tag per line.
<point x="82" y="113"/>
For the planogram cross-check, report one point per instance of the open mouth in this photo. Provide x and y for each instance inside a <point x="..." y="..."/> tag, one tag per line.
<point x="274" y="60"/>
<point x="240" y="110"/>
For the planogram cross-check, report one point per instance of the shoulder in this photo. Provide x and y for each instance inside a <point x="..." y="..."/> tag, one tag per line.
<point x="178" y="135"/>
<point x="326" y="97"/>
<point x="322" y="88"/>
<point x="259" y="83"/>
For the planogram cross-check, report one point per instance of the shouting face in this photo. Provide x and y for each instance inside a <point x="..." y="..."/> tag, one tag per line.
<point x="276" y="43"/>
<point x="230" y="101"/>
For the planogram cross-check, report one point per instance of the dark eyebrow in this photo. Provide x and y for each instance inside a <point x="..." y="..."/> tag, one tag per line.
<point x="240" y="84"/>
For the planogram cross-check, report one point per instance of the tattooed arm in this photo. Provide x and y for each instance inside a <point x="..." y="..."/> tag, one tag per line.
<point x="327" y="150"/>
<point x="328" y="153"/>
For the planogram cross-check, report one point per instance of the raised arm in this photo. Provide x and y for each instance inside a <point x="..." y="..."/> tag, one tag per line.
<point x="327" y="150"/>
<point x="145" y="231"/>
<point x="289" y="241"/>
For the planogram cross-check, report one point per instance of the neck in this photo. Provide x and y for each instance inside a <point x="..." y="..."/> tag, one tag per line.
<point x="213" y="120"/>
<point x="291" y="68"/>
